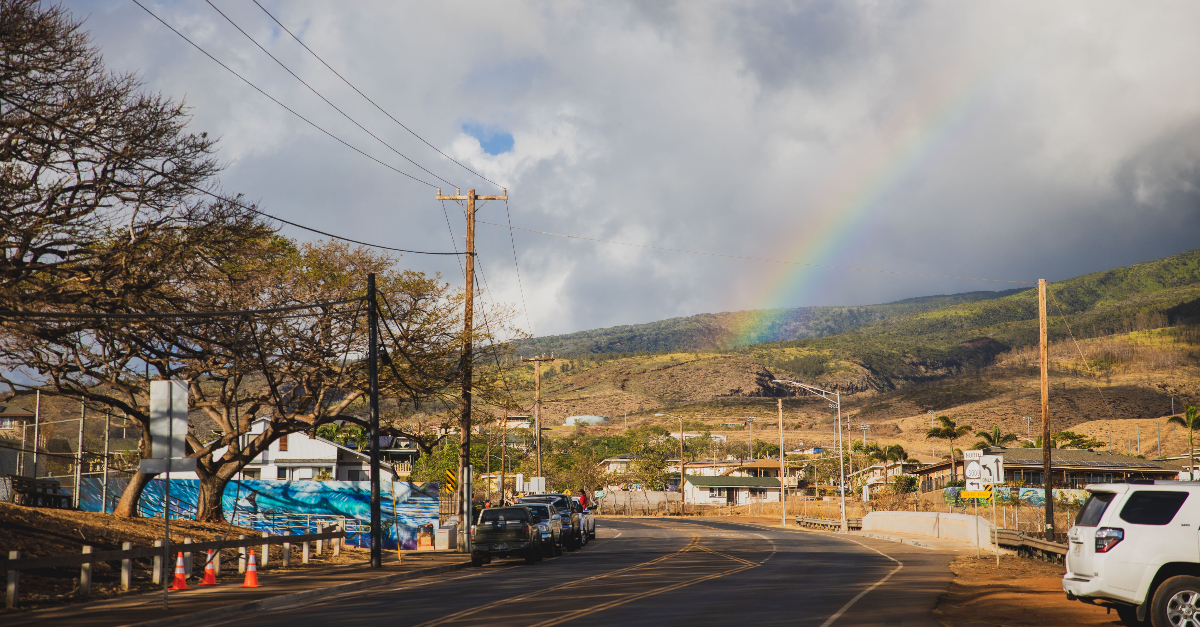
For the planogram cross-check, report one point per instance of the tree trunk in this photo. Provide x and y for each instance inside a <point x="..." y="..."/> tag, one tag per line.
<point x="127" y="507"/>
<point x="209" y="505"/>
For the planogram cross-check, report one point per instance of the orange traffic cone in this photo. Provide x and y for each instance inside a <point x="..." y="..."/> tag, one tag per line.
<point x="180" y="582"/>
<point x="251" y="572"/>
<point x="210" y="575"/>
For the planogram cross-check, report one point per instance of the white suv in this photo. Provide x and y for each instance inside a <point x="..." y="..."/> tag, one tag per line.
<point x="1135" y="548"/>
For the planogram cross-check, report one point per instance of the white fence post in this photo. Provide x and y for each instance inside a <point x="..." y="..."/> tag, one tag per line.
<point x="126" y="567"/>
<point x="266" y="552"/>
<point x="241" y="556"/>
<point x="10" y="599"/>
<point x="287" y="551"/>
<point x="158" y="564"/>
<point x="85" y="575"/>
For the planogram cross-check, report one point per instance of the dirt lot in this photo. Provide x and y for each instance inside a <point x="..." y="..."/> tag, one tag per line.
<point x="37" y="532"/>
<point x="1021" y="593"/>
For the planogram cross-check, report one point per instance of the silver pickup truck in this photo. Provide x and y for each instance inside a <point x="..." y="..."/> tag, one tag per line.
<point x="575" y="524"/>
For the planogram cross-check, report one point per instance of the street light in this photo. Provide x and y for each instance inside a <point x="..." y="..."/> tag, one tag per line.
<point x="682" y="492"/>
<point x="750" y="422"/>
<point x="836" y="398"/>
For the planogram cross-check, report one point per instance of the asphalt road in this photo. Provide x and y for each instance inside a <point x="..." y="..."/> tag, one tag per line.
<point x="662" y="572"/>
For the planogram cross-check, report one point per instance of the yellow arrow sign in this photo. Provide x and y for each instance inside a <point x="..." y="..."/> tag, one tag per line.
<point x="975" y="494"/>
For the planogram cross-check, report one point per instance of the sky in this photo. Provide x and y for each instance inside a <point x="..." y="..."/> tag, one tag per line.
<point x="1004" y="140"/>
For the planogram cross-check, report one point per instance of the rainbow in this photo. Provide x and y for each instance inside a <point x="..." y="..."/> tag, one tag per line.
<point x="860" y="193"/>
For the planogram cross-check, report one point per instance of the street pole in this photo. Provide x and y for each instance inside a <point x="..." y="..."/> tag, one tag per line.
<point x="782" y="471"/>
<point x="682" y="475"/>
<point x="79" y="455"/>
<point x="841" y="464"/>
<point x="104" y="484"/>
<point x="537" y="405"/>
<point x="750" y="422"/>
<point x="503" y="454"/>
<point x="1043" y="358"/>
<point x="373" y="375"/>
<point x="464" y="450"/>
<point x="37" y="421"/>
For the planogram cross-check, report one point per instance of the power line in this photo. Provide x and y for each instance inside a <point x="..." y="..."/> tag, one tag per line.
<point x="173" y="315"/>
<point x="512" y="240"/>
<point x="231" y="201"/>
<point x="273" y="99"/>
<point x="318" y="94"/>
<point x="791" y="263"/>
<point x="381" y="110"/>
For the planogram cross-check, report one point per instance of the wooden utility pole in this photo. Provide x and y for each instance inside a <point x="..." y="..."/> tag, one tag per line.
<point x="537" y="406"/>
<point x="463" y="502"/>
<point x="503" y="454"/>
<point x="782" y="471"/>
<point x="1042" y="355"/>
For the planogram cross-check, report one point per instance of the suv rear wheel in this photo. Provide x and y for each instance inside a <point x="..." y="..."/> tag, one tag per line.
<point x="1177" y="603"/>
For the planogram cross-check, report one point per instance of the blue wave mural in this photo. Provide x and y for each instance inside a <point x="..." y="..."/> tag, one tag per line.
<point x="295" y="506"/>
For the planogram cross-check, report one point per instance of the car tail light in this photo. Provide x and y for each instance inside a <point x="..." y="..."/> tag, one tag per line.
<point x="1107" y="538"/>
<point x="472" y="533"/>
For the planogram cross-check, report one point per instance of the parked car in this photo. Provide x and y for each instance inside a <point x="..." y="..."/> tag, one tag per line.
<point x="571" y="513"/>
<point x="506" y="532"/>
<point x="550" y="528"/>
<point x="589" y="519"/>
<point x="1133" y="548"/>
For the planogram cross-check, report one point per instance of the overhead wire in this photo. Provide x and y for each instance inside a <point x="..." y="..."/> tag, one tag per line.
<point x="368" y="99"/>
<point x="276" y="101"/>
<point x="520" y="285"/>
<point x="173" y="315"/>
<point x="792" y="263"/>
<point x="201" y="190"/>
<point x="322" y="97"/>
<point x="1078" y="349"/>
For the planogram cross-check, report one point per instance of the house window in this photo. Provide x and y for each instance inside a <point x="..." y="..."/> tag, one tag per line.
<point x="357" y="475"/>
<point x="8" y="423"/>
<point x="716" y="492"/>
<point x="251" y="474"/>
<point x="283" y="443"/>
<point x="281" y="473"/>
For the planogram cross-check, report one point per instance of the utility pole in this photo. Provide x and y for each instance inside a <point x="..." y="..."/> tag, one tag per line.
<point x="782" y="471"/>
<point x="373" y="375"/>
<point x="865" y="428"/>
<point x="104" y="484"/>
<point x="37" y="422"/>
<point x="79" y="455"/>
<point x="503" y="454"/>
<point x="750" y="421"/>
<point x="464" y="451"/>
<point x="682" y="475"/>
<point x="537" y="405"/>
<point x="1043" y="358"/>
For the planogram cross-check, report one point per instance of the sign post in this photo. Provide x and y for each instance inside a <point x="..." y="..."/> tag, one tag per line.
<point x="168" y="437"/>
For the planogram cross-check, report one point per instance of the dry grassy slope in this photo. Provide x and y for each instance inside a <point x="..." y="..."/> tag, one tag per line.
<point x="645" y="383"/>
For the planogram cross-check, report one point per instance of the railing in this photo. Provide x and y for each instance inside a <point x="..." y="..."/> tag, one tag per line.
<point x="829" y="524"/>
<point x="1030" y="544"/>
<point x="15" y="563"/>
<point x="279" y="522"/>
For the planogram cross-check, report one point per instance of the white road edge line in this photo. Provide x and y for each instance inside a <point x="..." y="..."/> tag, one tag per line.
<point x="860" y="595"/>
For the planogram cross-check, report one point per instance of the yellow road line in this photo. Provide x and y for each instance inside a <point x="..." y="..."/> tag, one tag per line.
<point x="529" y="595"/>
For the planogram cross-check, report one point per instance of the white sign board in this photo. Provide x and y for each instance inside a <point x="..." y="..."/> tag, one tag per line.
<point x="991" y="469"/>
<point x="168" y="418"/>
<point x="168" y="429"/>
<point x="973" y="470"/>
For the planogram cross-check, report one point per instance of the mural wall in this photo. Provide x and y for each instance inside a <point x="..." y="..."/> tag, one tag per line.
<point x="295" y="506"/>
<point x="1027" y="496"/>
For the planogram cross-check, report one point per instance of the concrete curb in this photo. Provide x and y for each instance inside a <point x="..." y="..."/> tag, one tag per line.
<point x="909" y="541"/>
<point x="231" y="611"/>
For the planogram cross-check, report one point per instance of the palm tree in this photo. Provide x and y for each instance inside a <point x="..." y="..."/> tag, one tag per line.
<point x="893" y="453"/>
<point x="993" y="438"/>
<point x="951" y="431"/>
<point x="1190" y="422"/>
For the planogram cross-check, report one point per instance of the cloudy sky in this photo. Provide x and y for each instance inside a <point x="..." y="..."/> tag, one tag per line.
<point x="1006" y="140"/>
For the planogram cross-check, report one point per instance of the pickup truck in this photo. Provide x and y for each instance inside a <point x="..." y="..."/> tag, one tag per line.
<point x="550" y="526"/>
<point x="572" y="517"/>
<point x="1133" y="549"/>
<point x="506" y="532"/>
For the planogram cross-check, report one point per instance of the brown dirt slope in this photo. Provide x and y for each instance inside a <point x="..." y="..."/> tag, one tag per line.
<point x="1020" y="593"/>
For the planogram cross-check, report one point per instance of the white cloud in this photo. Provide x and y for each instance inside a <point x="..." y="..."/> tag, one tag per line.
<point x="1013" y="140"/>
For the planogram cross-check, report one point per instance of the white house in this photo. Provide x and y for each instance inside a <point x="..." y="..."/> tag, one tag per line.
<point x="298" y="456"/>
<point x="730" y="490"/>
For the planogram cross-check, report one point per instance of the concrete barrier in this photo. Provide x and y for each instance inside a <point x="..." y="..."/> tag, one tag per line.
<point x="961" y="527"/>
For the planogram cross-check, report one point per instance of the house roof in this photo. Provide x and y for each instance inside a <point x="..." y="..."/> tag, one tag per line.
<point x="701" y="481"/>
<point x="1061" y="458"/>
<point x="762" y="463"/>
<point x="8" y="410"/>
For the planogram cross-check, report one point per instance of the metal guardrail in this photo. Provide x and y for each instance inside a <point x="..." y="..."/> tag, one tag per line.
<point x="1018" y="540"/>
<point x="853" y="524"/>
<point x="278" y="522"/>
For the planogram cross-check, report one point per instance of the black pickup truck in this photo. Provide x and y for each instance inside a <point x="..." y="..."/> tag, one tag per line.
<point x="506" y="532"/>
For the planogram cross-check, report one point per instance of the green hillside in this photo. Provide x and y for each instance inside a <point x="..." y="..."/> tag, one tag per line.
<point x="919" y="338"/>
<point x="709" y="332"/>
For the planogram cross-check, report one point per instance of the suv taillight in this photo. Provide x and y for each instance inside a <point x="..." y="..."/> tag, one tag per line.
<point x="1107" y="538"/>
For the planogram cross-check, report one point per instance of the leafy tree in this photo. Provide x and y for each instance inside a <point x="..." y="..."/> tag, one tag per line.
<point x="951" y="431"/>
<point x="994" y="438"/>
<point x="1191" y="422"/>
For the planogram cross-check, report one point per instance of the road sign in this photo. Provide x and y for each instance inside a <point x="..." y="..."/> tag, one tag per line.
<point x="168" y="429"/>
<point x="451" y="479"/>
<point x="976" y="494"/>
<point x="973" y="471"/>
<point x="991" y="470"/>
